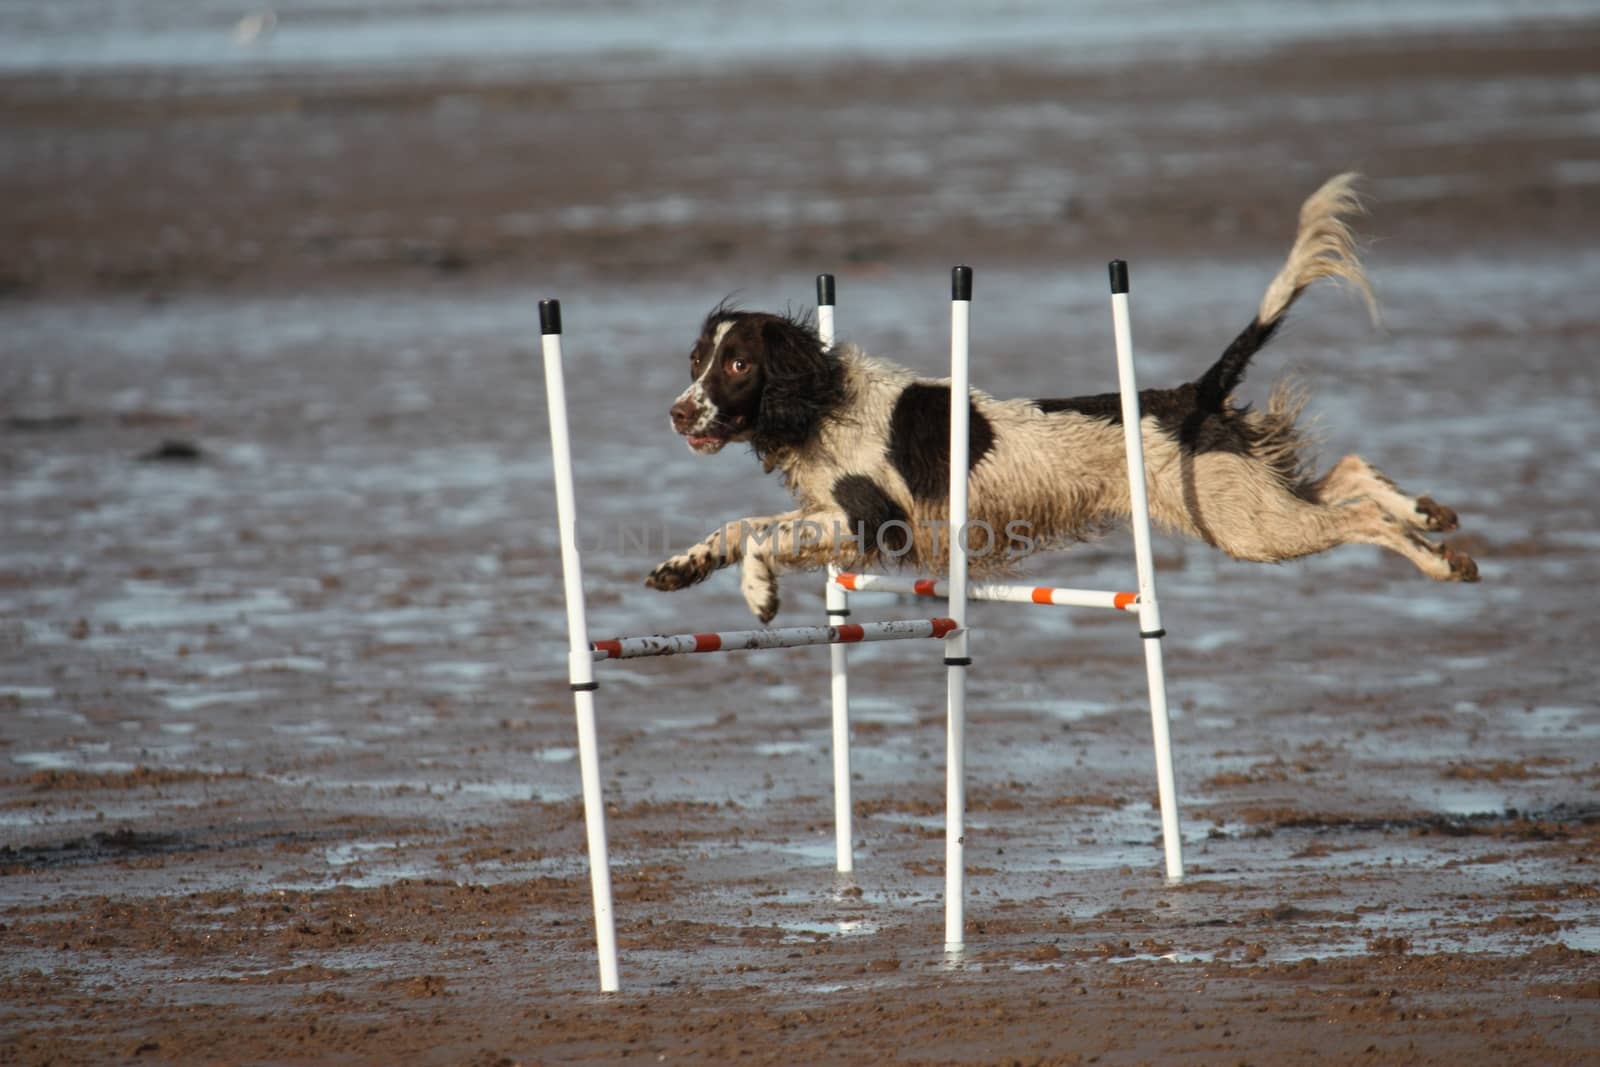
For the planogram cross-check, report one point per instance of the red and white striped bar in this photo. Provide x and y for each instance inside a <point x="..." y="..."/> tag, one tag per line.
<point x="1010" y="594"/>
<point x="782" y="637"/>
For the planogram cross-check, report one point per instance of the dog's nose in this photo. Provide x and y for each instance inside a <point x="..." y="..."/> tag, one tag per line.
<point x="684" y="414"/>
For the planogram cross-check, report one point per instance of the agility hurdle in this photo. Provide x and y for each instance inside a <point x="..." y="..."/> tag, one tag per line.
<point x="951" y="629"/>
<point x="583" y="654"/>
<point x="1143" y="603"/>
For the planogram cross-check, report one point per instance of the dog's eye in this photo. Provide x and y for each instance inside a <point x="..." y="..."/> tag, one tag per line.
<point x="739" y="366"/>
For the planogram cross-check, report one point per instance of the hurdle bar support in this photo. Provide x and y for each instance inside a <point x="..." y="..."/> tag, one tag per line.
<point x="580" y="663"/>
<point x="1150" y="628"/>
<point x="838" y="604"/>
<point x="957" y="652"/>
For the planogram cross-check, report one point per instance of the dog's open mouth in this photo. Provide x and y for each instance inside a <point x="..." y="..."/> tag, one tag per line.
<point x="720" y="433"/>
<point x="705" y="444"/>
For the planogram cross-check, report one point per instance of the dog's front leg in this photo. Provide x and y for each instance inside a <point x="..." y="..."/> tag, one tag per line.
<point x="794" y="542"/>
<point x="723" y="547"/>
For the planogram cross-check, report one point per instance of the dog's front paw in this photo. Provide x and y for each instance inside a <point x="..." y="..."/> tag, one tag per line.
<point x="680" y="572"/>
<point x="760" y="588"/>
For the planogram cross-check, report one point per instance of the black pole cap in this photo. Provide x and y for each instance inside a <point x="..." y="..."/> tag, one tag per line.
<point x="961" y="283"/>
<point x="1119" y="276"/>
<point x="824" y="290"/>
<point x="549" y="316"/>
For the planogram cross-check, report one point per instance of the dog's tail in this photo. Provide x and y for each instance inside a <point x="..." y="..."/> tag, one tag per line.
<point x="1324" y="248"/>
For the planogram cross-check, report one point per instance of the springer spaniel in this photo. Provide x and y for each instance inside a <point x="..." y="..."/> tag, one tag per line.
<point x="864" y="447"/>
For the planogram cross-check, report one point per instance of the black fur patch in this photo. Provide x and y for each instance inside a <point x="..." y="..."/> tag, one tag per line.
<point x="1106" y="406"/>
<point x="1226" y="373"/>
<point x="919" y="439"/>
<point x="1196" y="414"/>
<point x="1176" y="411"/>
<point x="871" y="510"/>
<point x="801" y="382"/>
<point x="1169" y="406"/>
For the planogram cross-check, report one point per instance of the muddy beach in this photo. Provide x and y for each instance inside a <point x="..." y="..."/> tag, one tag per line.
<point x="287" y="759"/>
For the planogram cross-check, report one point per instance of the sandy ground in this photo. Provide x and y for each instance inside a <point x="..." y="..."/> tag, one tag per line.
<point x="287" y="768"/>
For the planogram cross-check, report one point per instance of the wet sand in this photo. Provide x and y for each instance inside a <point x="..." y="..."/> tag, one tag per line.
<point x="287" y="767"/>
<point x="1473" y="140"/>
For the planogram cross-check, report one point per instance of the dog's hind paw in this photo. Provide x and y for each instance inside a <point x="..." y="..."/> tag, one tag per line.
<point x="1463" y="568"/>
<point x="1435" y="516"/>
<point x="680" y="572"/>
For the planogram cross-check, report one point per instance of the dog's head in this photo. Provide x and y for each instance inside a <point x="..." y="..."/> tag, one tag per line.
<point x="757" y="377"/>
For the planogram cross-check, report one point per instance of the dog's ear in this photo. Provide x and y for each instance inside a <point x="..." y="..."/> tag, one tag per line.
<point x="802" y="382"/>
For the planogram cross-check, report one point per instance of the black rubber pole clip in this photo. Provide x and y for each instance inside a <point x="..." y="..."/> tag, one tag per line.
<point x="824" y="290"/>
<point x="1119" y="275"/>
<point x="961" y="283"/>
<point x="549" y="316"/>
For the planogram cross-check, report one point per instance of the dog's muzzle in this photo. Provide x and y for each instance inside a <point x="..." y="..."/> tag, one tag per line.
<point x="685" y="413"/>
<point x="702" y="429"/>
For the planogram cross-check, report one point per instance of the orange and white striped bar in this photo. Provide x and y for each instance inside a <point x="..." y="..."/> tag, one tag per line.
<point x="1011" y="594"/>
<point x="782" y="637"/>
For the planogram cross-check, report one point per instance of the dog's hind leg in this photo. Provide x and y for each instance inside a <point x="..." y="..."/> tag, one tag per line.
<point x="1302" y="528"/>
<point x="1371" y="522"/>
<point x="1234" y="504"/>
<point x="1353" y="477"/>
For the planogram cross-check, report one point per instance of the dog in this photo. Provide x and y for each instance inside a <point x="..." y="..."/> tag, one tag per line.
<point x="863" y="445"/>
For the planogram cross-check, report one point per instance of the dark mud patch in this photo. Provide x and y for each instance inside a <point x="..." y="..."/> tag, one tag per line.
<point x="125" y="845"/>
<point x="1561" y="821"/>
<point x="52" y="779"/>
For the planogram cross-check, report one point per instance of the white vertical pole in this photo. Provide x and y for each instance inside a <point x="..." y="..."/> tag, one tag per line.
<point x="956" y="648"/>
<point x="1150" y="628"/>
<point x="838" y="603"/>
<point x="580" y="661"/>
